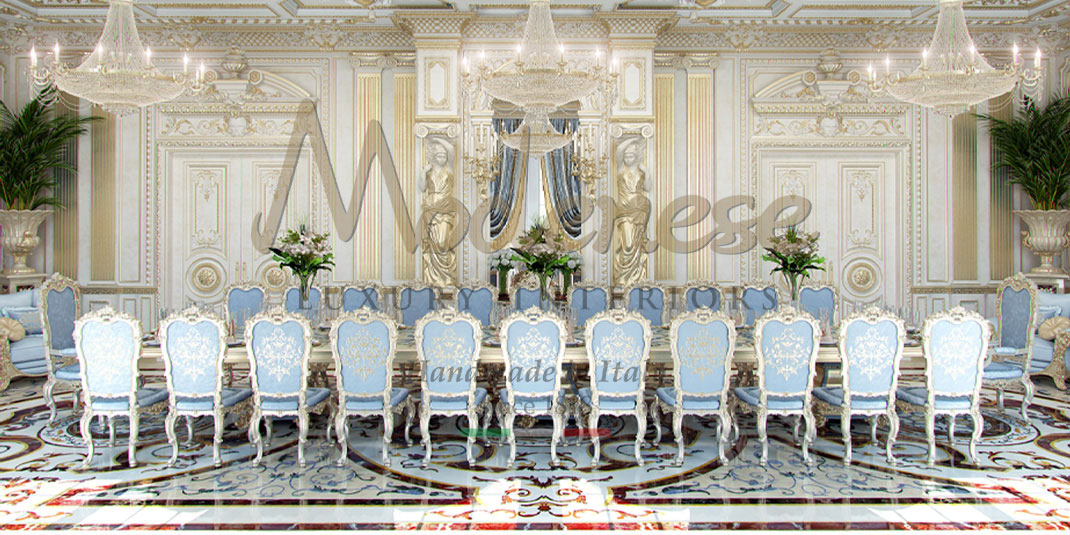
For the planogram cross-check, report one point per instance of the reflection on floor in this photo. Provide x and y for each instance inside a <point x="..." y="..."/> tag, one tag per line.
<point x="1022" y="481"/>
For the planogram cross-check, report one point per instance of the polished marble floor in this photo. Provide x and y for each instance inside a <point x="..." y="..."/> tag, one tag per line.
<point x="1022" y="481"/>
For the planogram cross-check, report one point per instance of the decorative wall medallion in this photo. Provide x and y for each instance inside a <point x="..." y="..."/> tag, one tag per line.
<point x="274" y="278"/>
<point x="862" y="276"/>
<point x="205" y="277"/>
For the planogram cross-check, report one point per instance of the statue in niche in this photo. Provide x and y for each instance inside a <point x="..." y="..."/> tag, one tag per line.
<point x="633" y="214"/>
<point x="439" y="216"/>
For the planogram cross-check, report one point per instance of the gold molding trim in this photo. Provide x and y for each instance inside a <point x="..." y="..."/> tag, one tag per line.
<point x="954" y="290"/>
<point x="118" y="290"/>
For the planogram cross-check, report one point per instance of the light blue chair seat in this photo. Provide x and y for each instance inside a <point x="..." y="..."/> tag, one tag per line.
<point x="32" y="368"/>
<point x="397" y="397"/>
<point x="70" y="372"/>
<point x="834" y="396"/>
<point x="537" y="403"/>
<point x="29" y="349"/>
<point x="313" y="397"/>
<point x="607" y="403"/>
<point x="1003" y="370"/>
<point x="695" y="403"/>
<point x="145" y="397"/>
<point x="230" y="397"/>
<point x="1004" y="350"/>
<point x="439" y="403"/>
<point x="68" y="352"/>
<point x="919" y="396"/>
<point x="750" y="396"/>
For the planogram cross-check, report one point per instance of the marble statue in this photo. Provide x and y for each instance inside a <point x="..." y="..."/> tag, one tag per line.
<point x="439" y="215"/>
<point x="632" y="216"/>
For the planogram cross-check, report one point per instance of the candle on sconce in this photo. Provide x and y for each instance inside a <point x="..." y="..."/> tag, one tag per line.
<point x="482" y="56"/>
<point x="148" y="55"/>
<point x="33" y="57"/>
<point x="1036" y="59"/>
<point x="185" y="63"/>
<point x="55" y="51"/>
<point x="1014" y="53"/>
<point x="869" y="69"/>
<point x="973" y="54"/>
<point x="924" y="58"/>
<point x="464" y="64"/>
<point x="887" y="65"/>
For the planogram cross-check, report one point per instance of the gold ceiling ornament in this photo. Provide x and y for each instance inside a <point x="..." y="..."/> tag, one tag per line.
<point x="118" y="75"/>
<point x="953" y="75"/>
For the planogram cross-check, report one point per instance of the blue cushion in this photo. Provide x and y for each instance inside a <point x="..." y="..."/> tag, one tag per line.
<point x="32" y="368"/>
<point x="834" y="396"/>
<point x="535" y="403"/>
<point x="693" y="403"/>
<point x="1004" y="350"/>
<point x="65" y="352"/>
<point x="70" y="372"/>
<point x="230" y="398"/>
<point x="1042" y="350"/>
<point x="313" y="397"/>
<point x="397" y="396"/>
<point x="439" y="403"/>
<point x="145" y="398"/>
<point x="919" y="396"/>
<point x="1003" y="370"/>
<point x="749" y="395"/>
<point x="25" y="298"/>
<point x="608" y="403"/>
<point x="29" y="349"/>
<point x="1047" y="312"/>
<point x="29" y="317"/>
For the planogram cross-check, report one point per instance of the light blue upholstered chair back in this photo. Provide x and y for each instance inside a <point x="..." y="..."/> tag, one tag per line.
<point x="787" y="343"/>
<point x="534" y="346"/>
<point x="955" y="345"/>
<point x="586" y="301"/>
<point x="618" y="346"/>
<point x="699" y="295"/>
<point x="477" y="301"/>
<point x="871" y="346"/>
<point x="1016" y="304"/>
<point x="527" y="294"/>
<point x="415" y="302"/>
<point x="360" y="296"/>
<point x="244" y="302"/>
<point x="108" y="343"/>
<point x="819" y="302"/>
<point x="703" y="343"/>
<point x="60" y="311"/>
<point x="193" y="347"/>
<point x="293" y="299"/>
<point x="757" y="300"/>
<point x="448" y="344"/>
<point x="278" y="344"/>
<point x="650" y="301"/>
<point x="363" y="344"/>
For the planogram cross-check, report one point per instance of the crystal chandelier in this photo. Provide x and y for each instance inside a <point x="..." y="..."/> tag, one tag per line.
<point x="953" y="76"/>
<point x="539" y="82"/>
<point x="118" y="75"/>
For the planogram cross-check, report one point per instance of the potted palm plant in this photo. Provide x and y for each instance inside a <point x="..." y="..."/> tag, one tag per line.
<point x="32" y="145"/>
<point x="1034" y="149"/>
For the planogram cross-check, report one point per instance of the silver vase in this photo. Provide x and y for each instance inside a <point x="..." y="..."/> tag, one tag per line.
<point x="20" y="237"/>
<point x="1046" y="237"/>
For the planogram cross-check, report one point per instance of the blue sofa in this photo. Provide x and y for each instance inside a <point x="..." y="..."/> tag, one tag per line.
<point x="25" y="357"/>
<point x="1043" y="349"/>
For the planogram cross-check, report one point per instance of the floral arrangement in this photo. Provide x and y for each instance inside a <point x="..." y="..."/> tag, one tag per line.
<point x="543" y="253"/>
<point x="795" y="254"/>
<point x="503" y="263"/>
<point x="305" y="253"/>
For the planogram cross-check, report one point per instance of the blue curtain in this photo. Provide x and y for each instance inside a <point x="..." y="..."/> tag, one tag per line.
<point x="503" y="189"/>
<point x="564" y="188"/>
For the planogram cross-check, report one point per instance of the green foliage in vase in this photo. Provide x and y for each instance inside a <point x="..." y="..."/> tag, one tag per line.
<point x="1033" y="148"/>
<point x="33" y="144"/>
<point x="795" y="255"/>
<point x="304" y="252"/>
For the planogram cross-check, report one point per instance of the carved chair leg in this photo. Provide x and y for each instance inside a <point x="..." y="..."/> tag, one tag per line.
<point x="845" y="431"/>
<point x="763" y="436"/>
<point x="87" y="437"/>
<point x="341" y="428"/>
<point x="172" y="438"/>
<point x="978" y="427"/>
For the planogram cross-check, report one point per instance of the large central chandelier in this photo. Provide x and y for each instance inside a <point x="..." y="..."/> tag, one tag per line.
<point x="953" y="76"/>
<point x="539" y="82"/>
<point x="118" y="75"/>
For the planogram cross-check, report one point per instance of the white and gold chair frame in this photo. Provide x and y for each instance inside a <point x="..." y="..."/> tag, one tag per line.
<point x="666" y="298"/>
<point x="871" y="316"/>
<point x="192" y="316"/>
<point x="956" y="315"/>
<point x="724" y="412"/>
<point x="506" y="404"/>
<point x="363" y="286"/>
<point x="701" y="285"/>
<point x="245" y="287"/>
<point x="277" y="316"/>
<point x="109" y="315"/>
<point x="471" y="410"/>
<point x="818" y="286"/>
<point x="1023" y="357"/>
<point x="365" y="316"/>
<point x="55" y="283"/>
<point x="592" y="412"/>
<point x="1056" y="369"/>
<point x="786" y="315"/>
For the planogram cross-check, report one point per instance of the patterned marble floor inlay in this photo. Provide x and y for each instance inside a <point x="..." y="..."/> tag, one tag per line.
<point x="1021" y="481"/>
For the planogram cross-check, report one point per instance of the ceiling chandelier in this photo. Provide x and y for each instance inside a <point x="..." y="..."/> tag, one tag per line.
<point x="539" y="81"/>
<point x="118" y="75"/>
<point x="953" y="76"/>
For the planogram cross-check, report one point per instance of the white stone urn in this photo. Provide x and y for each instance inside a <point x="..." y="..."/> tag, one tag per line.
<point x="20" y="236"/>
<point x="1046" y="237"/>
